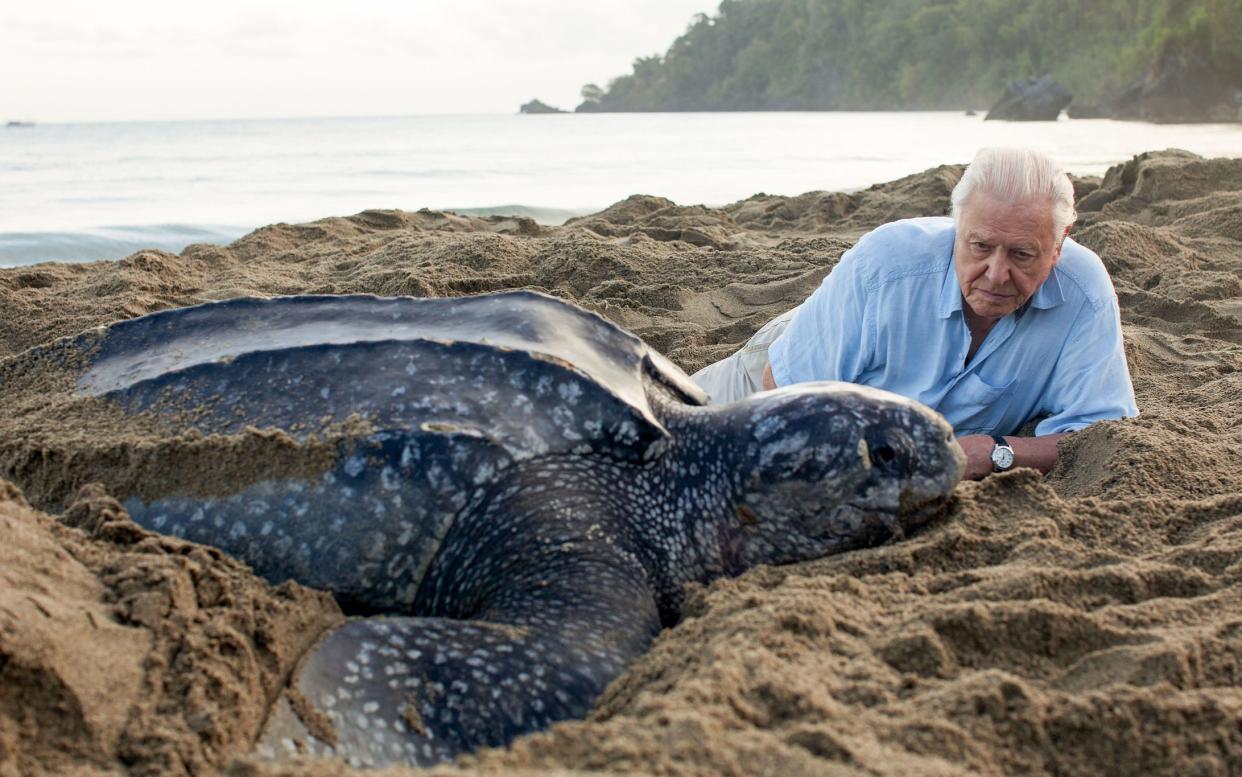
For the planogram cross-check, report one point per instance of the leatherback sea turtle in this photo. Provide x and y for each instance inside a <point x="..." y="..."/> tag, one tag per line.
<point x="527" y="494"/>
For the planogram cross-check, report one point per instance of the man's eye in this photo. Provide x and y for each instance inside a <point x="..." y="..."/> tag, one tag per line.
<point x="1024" y="257"/>
<point x="979" y="246"/>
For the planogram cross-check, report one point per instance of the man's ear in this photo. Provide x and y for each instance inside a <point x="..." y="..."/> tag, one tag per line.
<point x="1061" y="244"/>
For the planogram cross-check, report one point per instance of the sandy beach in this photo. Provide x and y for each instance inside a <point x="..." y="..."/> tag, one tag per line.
<point x="1084" y="623"/>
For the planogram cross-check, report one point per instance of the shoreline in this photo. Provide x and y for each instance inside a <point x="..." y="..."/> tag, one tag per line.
<point x="201" y="176"/>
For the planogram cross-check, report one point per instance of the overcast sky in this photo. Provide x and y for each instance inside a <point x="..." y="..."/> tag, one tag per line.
<point x="87" y="60"/>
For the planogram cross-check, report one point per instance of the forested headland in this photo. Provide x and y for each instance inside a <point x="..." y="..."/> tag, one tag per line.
<point x="928" y="54"/>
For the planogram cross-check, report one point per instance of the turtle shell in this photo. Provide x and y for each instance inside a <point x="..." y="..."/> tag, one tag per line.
<point x="533" y="373"/>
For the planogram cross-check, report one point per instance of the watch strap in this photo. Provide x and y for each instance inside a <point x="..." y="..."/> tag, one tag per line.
<point x="1000" y="441"/>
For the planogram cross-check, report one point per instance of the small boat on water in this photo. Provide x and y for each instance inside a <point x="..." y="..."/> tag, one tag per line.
<point x="20" y="124"/>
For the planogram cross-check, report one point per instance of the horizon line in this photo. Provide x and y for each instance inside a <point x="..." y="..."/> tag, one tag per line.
<point x="29" y="122"/>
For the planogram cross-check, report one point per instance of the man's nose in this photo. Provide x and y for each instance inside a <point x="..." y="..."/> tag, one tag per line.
<point x="998" y="269"/>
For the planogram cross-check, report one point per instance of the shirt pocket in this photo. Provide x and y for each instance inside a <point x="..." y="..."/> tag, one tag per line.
<point x="974" y="406"/>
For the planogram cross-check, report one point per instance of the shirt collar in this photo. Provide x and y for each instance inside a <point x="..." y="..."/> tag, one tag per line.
<point x="950" y="291"/>
<point x="1048" y="295"/>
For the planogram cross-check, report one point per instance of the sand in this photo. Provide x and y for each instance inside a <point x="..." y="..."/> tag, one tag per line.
<point x="1088" y="622"/>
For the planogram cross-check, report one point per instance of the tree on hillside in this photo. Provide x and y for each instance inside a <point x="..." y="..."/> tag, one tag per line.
<point x="884" y="54"/>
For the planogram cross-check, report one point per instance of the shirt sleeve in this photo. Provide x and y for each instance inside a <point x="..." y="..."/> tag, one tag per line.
<point x="1090" y="381"/>
<point x="827" y="338"/>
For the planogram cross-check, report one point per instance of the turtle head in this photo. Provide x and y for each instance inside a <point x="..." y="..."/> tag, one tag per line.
<point x="826" y="467"/>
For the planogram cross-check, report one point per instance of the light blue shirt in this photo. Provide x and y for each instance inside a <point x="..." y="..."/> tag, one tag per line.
<point x="889" y="315"/>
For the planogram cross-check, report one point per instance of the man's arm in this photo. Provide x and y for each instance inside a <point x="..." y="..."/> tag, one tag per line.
<point x="1037" y="452"/>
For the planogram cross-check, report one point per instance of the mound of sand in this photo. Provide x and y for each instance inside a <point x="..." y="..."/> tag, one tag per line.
<point x="1085" y="623"/>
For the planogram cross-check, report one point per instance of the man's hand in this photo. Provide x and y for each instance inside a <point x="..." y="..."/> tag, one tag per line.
<point x="1037" y="452"/>
<point x="769" y="382"/>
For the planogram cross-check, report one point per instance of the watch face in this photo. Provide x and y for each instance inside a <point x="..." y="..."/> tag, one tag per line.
<point x="1002" y="457"/>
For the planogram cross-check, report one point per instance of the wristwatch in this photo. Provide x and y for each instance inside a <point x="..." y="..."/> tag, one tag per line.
<point x="1002" y="454"/>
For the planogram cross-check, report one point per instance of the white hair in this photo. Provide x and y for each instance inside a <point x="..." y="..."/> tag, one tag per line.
<point x="1018" y="175"/>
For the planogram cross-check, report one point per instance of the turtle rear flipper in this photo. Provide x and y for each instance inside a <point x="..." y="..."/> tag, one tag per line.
<point x="425" y="690"/>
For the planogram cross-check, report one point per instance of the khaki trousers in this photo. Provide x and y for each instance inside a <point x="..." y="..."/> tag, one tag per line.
<point x="741" y="374"/>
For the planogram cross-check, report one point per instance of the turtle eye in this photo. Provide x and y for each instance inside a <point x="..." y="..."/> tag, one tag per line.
<point x="891" y="450"/>
<point x="883" y="455"/>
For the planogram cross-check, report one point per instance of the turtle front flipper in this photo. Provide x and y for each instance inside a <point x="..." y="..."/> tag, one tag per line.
<point x="425" y="690"/>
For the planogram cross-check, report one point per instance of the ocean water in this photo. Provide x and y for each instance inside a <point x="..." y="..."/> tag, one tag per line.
<point x="82" y="192"/>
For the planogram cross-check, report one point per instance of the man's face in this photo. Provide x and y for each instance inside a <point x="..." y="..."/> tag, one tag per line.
<point x="1003" y="251"/>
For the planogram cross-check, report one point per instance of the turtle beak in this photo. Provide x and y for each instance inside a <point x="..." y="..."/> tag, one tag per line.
<point x="918" y="510"/>
<point x="929" y="495"/>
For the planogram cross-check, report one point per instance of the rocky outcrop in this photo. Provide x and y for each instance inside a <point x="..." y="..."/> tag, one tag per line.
<point x="1183" y="86"/>
<point x="1078" y="110"/>
<point x="1035" y="99"/>
<point x="538" y="106"/>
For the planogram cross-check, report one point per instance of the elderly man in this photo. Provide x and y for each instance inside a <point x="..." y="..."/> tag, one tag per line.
<point x="993" y="317"/>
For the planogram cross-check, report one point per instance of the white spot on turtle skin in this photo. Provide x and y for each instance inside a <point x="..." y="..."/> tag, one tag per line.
<point x="627" y="431"/>
<point x="788" y="444"/>
<point x="408" y="456"/>
<point x="767" y="424"/>
<point x="355" y="466"/>
<point x="325" y="392"/>
<point x="374" y="550"/>
<point x="484" y="474"/>
<point x="570" y="392"/>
